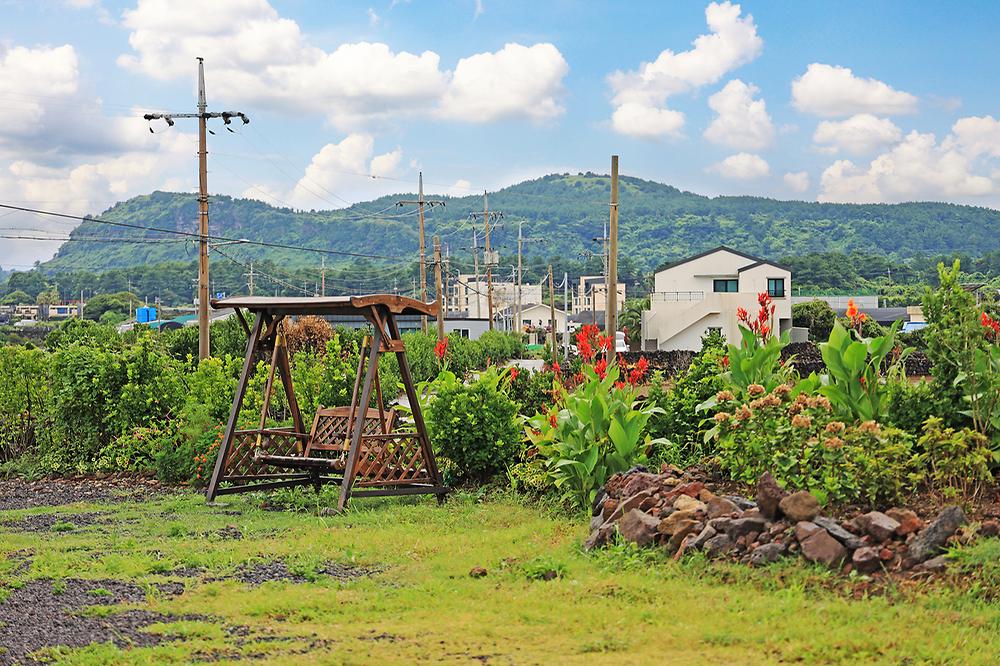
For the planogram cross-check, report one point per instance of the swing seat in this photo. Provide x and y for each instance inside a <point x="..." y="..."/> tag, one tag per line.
<point x="330" y="434"/>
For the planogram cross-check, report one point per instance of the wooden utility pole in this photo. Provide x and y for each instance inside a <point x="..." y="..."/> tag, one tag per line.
<point x="437" y="281"/>
<point x="611" y="300"/>
<point x="552" y="315"/>
<point x="249" y="277"/>
<point x="487" y="253"/>
<point x="447" y="272"/>
<point x="202" y="116"/>
<point x="521" y="240"/>
<point x="322" y="276"/>
<point x="420" y="203"/>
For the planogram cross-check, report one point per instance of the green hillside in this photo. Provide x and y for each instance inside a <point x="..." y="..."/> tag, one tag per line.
<point x="658" y="223"/>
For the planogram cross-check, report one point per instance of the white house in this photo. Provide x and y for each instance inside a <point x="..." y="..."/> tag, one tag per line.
<point x="592" y="294"/>
<point x="536" y="321"/>
<point x="703" y="292"/>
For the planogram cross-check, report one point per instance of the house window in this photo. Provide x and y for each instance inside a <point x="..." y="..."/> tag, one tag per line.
<point x="776" y="287"/>
<point x="725" y="286"/>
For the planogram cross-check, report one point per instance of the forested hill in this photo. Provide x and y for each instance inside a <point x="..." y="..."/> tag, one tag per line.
<point x="658" y="223"/>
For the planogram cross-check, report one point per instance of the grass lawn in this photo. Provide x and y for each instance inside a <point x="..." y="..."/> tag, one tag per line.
<point x="619" y="606"/>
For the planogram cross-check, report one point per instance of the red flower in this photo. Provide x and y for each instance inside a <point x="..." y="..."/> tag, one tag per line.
<point x="605" y="342"/>
<point x="555" y="368"/>
<point x="601" y="368"/>
<point x="742" y="315"/>
<point x="725" y="362"/>
<point x="513" y="373"/>
<point x="619" y="384"/>
<point x="763" y="299"/>
<point x="585" y="350"/>
<point x="991" y="325"/>
<point x="552" y="418"/>
<point x="441" y="349"/>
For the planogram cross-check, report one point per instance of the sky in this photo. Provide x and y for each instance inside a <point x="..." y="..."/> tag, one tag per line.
<point x="842" y="102"/>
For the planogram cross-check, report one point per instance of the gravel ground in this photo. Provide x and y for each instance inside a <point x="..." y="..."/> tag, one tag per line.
<point x="44" y="613"/>
<point x="45" y="522"/>
<point x="279" y="571"/>
<point x="21" y="494"/>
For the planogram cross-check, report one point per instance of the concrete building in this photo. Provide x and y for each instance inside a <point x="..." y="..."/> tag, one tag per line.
<point x="704" y="292"/>
<point x="592" y="294"/>
<point x="469" y="295"/>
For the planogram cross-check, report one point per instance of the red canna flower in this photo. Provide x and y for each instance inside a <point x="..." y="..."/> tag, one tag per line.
<point x="605" y="342"/>
<point x="441" y="349"/>
<point x="742" y="315"/>
<point x="513" y="373"/>
<point x="725" y="362"/>
<point x="601" y="368"/>
<point x="619" y="384"/>
<point x="552" y="418"/>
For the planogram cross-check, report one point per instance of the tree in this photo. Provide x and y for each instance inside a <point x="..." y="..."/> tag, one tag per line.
<point x="48" y="297"/>
<point x="121" y="303"/>
<point x="18" y="297"/>
<point x="817" y="316"/>
<point x="630" y="319"/>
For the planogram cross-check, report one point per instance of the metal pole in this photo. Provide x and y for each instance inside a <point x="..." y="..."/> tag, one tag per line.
<point x="437" y="280"/>
<point x="520" y="241"/>
<point x="611" y="300"/>
<point x="489" y="261"/>
<point x="566" y="309"/>
<point x="552" y="315"/>
<point x="475" y="263"/>
<point x="203" y="342"/>
<point x="423" y="257"/>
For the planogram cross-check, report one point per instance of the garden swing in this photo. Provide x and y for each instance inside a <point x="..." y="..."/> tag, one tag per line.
<point x="364" y="449"/>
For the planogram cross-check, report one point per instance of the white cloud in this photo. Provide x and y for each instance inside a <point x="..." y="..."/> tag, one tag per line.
<point x="478" y="10"/>
<point x="732" y="41"/>
<point x="829" y="90"/>
<point x="742" y="166"/>
<point x="256" y="57"/>
<point x="516" y="80"/>
<point x="918" y="168"/>
<point x="331" y="177"/>
<point x="860" y="134"/>
<point x="373" y="17"/>
<point x="649" y="122"/>
<point x="976" y="136"/>
<point x="797" y="181"/>
<point x="32" y="77"/>
<point x="742" y="121"/>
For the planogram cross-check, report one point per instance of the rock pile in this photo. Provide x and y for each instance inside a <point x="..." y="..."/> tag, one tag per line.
<point x="675" y="510"/>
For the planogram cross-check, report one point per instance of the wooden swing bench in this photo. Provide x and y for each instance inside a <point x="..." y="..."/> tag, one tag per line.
<point x="367" y="451"/>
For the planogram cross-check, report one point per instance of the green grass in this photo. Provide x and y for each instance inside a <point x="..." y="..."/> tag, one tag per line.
<point x="619" y="606"/>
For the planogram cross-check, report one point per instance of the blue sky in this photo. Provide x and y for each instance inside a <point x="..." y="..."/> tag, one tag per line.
<point x="847" y="101"/>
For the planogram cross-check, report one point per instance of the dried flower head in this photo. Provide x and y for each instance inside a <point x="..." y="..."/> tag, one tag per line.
<point x="722" y="417"/>
<point x="870" y="426"/>
<point x="833" y="442"/>
<point x="744" y="413"/>
<point x="782" y="389"/>
<point x="755" y="389"/>
<point x="835" y="427"/>
<point x="801" y="421"/>
<point x="724" y="396"/>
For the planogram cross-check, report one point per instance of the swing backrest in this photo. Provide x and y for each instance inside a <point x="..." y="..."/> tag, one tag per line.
<point x="330" y="428"/>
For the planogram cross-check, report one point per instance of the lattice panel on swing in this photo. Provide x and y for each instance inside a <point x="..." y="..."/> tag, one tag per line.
<point x="330" y="427"/>
<point x="241" y="463"/>
<point x="394" y="459"/>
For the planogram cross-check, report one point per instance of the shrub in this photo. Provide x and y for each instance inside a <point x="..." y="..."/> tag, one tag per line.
<point x="24" y="395"/>
<point x="475" y="426"/>
<point x="499" y="347"/>
<point x="189" y="455"/>
<point x="533" y="391"/>
<point x="817" y="316"/>
<point x="307" y="333"/>
<point x="909" y="404"/>
<point x="957" y="462"/>
<point x="798" y="440"/>
<point x="757" y="359"/>
<point x="134" y="451"/>
<point x="84" y="331"/>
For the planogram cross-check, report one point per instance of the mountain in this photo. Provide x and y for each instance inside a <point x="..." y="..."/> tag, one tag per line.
<point x="658" y="223"/>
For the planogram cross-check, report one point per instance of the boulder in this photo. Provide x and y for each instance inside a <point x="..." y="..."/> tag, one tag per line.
<point x="932" y="539"/>
<point x="989" y="528"/>
<point x="852" y="541"/>
<point x="669" y="524"/>
<point x="909" y="522"/>
<point x="866" y="560"/>
<point x="638" y="527"/>
<point x="688" y="503"/>
<point x="683" y="527"/>
<point x="477" y="572"/>
<point x="878" y="525"/>
<point x="933" y="565"/>
<point x="599" y="537"/>
<point x="627" y="505"/>
<point x="699" y="541"/>
<point x="681" y="533"/>
<point x="596" y="521"/>
<point x="769" y="552"/>
<point x="823" y="548"/>
<point x="720" y="506"/>
<point x="636" y="483"/>
<point x="598" y="504"/>
<point x="769" y="495"/>
<point x="718" y="545"/>
<point x="799" y="506"/>
<point x="742" y="502"/>
<point x="744" y="526"/>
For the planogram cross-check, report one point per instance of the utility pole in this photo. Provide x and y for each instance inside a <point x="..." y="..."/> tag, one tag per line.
<point x="249" y="277"/>
<point x="521" y="240"/>
<point x="420" y="203"/>
<point x="447" y="272"/>
<point x="611" y="300"/>
<point x="487" y="253"/>
<point x="202" y="115"/>
<point x="552" y="314"/>
<point x="566" y="310"/>
<point x="437" y="281"/>
<point x="475" y="264"/>
<point x="322" y="275"/>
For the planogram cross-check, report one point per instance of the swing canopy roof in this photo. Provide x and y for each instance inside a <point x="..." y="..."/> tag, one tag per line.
<point x="327" y="305"/>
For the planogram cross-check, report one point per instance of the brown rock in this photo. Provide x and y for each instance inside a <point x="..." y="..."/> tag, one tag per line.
<point x="627" y="505"/>
<point x="766" y="554"/>
<point x="705" y="495"/>
<point x="885" y="554"/>
<point x="743" y="526"/>
<point x="909" y="522"/>
<point x="688" y="503"/>
<point x="691" y="528"/>
<point x="669" y="524"/>
<point x="805" y="529"/>
<point x="823" y="548"/>
<point x="866" y="559"/>
<point x="609" y="507"/>
<point x="638" y="527"/>
<point x="718" y="545"/>
<point x="692" y="489"/>
<point x="477" y="572"/>
<point x="877" y="524"/>
<point x="640" y="481"/>
<point x="720" y="506"/>
<point x="769" y="495"/>
<point x="799" y="506"/>
<point x="599" y="537"/>
<point x="648" y="504"/>
<point x="989" y="528"/>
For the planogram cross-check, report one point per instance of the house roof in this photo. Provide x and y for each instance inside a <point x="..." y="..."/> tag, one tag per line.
<point x="589" y="317"/>
<point x="722" y="248"/>
<point x="881" y="315"/>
